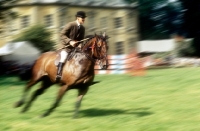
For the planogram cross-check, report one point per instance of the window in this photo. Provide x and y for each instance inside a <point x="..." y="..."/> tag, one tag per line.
<point x="103" y="22"/>
<point x="25" y="21"/>
<point x="118" y="22"/>
<point x="13" y="26"/>
<point x="1" y="31"/>
<point x="48" y="20"/>
<point x="91" y="22"/>
<point x="130" y="19"/>
<point x="62" y="17"/>
<point x="119" y="48"/>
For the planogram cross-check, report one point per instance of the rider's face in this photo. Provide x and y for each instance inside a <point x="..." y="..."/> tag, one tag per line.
<point x="81" y="20"/>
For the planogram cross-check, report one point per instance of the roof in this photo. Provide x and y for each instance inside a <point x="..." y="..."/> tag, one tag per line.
<point x="105" y="3"/>
<point x="20" y="48"/>
<point x="156" y="45"/>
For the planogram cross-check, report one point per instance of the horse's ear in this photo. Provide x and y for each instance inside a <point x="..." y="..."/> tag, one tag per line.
<point x="104" y="34"/>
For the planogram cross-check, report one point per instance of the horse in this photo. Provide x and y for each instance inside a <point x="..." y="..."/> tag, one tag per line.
<point x="78" y="73"/>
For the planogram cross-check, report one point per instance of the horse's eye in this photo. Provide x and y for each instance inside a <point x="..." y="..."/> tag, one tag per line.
<point x="99" y="48"/>
<point x="99" y="44"/>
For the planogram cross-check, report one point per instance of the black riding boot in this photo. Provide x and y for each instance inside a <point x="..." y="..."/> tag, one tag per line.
<point x="59" y="71"/>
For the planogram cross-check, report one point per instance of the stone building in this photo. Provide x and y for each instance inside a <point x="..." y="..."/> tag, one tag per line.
<point x="116" y="17"/>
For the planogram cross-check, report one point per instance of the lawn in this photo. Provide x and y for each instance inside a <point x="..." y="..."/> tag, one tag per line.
<point x="163" y="100"/>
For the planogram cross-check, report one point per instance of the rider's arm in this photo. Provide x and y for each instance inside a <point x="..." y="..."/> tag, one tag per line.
<point x="65" y="33"/>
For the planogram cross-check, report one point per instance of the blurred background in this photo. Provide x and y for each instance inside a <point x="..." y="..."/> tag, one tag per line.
<point x="158" y="28"/>
<point x="158" y="35"/>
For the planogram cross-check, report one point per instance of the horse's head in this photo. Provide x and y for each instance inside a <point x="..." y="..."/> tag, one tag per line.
<point x="96" y="47"/>
<point x="103" y="63"/>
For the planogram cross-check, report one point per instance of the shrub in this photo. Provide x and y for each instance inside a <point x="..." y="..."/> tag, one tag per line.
<point x="39" y="36"/>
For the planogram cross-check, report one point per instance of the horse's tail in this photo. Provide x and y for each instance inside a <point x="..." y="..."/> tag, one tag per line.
<point x="26" y="72"/>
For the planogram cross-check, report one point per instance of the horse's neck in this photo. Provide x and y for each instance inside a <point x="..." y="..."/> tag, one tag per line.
<point x="87" y="51"/>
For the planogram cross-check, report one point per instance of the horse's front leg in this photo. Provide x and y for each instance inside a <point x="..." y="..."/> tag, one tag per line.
<point x="81" y="93"/>
<point x="61" y="93"/>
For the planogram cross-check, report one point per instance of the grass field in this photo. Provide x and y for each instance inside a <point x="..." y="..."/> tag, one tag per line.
<point x="163" y="100"/>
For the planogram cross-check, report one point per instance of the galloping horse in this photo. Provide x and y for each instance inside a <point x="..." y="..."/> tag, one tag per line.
<point x="78" y="72"/>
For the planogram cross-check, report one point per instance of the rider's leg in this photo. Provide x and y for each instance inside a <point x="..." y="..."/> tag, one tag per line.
<point x="63" y="55"/>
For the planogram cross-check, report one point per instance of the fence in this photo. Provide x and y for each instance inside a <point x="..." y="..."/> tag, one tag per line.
<point x="121" y="64"/>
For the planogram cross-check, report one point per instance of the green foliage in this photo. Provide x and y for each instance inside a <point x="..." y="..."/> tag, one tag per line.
<point x="39" y="36"/>
<point x="157" y="19"/>
<point x="191" y="23"/>
<point x="188" y="50"/>
<point x="160" y="55"/>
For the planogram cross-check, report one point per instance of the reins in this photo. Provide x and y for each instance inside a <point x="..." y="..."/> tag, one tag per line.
<point x="89" y="57"/>
<point x="94" y="46"/>
<point x="75" y="43"/>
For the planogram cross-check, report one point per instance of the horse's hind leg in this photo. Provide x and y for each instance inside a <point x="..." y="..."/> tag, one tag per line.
<point x="46" y="83"/>
<point x="81" y="93"/>
<point x="25" y="92"/>
<point x="61" y="93"/>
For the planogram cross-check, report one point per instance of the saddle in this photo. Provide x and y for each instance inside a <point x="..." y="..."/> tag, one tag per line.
<point x="70" y="54"/>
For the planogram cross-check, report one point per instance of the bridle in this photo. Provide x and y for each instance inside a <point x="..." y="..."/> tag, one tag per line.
<point x="98" y="51"/>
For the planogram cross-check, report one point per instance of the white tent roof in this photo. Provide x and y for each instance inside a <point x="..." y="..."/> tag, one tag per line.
<point x="20" y="52"/>
<point x="19" y="48"/>
<point x="156" y="45"/>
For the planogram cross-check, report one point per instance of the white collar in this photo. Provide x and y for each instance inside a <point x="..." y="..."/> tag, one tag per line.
<point x="77" y="23"/>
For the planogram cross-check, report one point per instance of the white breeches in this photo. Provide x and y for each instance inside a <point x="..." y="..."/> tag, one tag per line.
<point x="63" y="56"/>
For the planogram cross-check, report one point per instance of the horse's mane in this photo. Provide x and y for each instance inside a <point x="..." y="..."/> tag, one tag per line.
<point x="95" y="35"/>
<point x="89" y="38"/>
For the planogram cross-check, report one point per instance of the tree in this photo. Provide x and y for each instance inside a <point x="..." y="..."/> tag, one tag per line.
<point x="5" y="9"/>
<point x="192" y="22"/>
<point x="39" y="36"/>
<point x="159" y="19"/>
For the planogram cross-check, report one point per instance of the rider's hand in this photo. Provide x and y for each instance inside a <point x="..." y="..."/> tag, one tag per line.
<point x="72" y="43"/>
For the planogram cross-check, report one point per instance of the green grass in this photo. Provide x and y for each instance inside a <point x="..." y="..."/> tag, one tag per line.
<point x="163" y="100"/>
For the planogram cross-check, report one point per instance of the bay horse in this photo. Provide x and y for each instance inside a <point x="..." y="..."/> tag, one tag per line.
<point x="78" y="73"/>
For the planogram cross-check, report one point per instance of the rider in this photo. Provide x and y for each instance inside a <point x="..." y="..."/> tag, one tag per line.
<point x="72" y="32"/>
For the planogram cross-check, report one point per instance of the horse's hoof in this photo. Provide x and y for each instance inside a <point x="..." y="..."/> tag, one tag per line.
<point x="41" y="116"/>
<point x="75" y="117"/>
<point x="18" y="104"/>
<point x="23" y="111"/>
<point x="44" y="115"/>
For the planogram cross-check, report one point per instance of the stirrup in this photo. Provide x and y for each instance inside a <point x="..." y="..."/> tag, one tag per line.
<point x="58" y="77"/>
